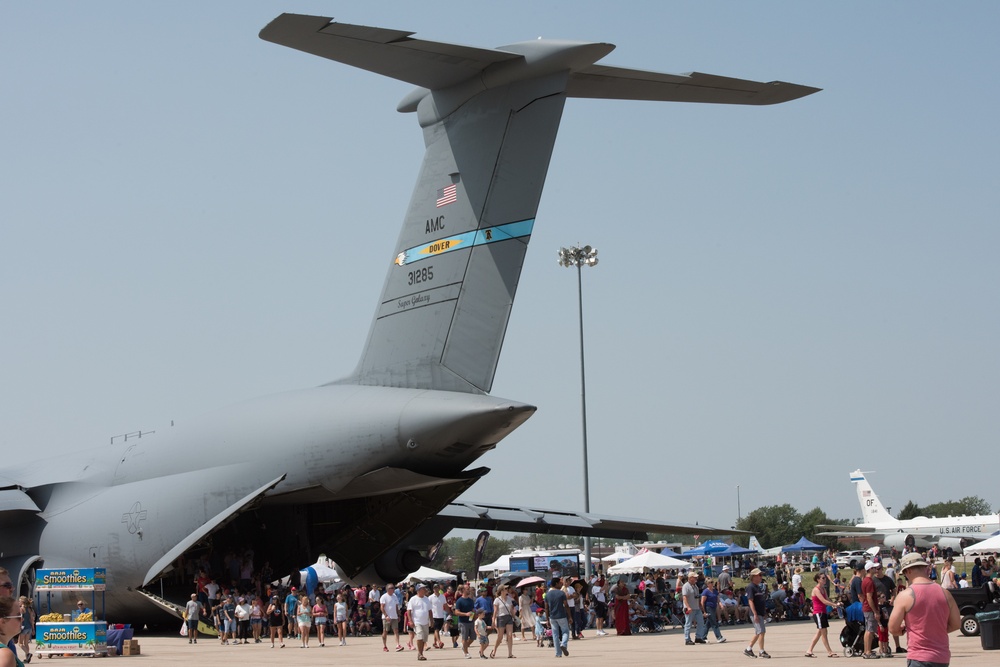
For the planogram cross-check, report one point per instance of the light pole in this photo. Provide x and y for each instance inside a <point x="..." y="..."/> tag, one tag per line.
<point x="739" y="514"/>
<point x="580" y="257"/>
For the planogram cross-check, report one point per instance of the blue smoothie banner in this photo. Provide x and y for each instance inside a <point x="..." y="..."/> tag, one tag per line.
<point x="71" y="637"/>
<point x="84" y="578"/>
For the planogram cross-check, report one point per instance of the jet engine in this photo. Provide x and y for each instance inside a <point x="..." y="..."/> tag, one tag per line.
<point x="957" y="544"/>
<point x="899" y="540"/>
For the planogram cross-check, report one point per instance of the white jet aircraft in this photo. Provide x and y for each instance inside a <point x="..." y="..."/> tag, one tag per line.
<point x="955" y="532"/>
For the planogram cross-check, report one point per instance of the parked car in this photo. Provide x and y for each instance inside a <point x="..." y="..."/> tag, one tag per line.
<point x="852" y="559"/>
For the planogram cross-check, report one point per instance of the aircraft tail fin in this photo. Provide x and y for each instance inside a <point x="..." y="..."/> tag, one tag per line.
<point x="489" y="118"/>
<point x="872" y="510"/>
<point x="755" y="544"/>
<point x="452" y="277"/>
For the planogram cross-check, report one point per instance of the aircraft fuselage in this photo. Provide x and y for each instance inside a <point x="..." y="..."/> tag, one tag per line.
<point x="134" y="502"/>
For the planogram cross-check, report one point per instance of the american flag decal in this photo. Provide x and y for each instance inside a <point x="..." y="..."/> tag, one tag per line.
<point x="447" y="195"/>
<point x="866" y="493"/>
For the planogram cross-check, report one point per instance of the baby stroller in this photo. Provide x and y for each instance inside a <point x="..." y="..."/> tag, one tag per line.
<point x="852" y="638"/>
<point x="547" y="635"/>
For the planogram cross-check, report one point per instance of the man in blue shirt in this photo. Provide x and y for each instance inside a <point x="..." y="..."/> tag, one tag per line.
<point x="485" y="602"/>
<point x="557" y="610"/>
<point x="291" y="609"/>
<point x="81" y="608"/>
<point x="465" y="609"/>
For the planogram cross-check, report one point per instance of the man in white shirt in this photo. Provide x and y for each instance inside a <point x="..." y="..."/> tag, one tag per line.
<point x="390" y="616"/>
<point x="212" y="589"/>
<point x="192" y="613"/>
<point x="420" y="613"/>
<point x="437" y="614"/>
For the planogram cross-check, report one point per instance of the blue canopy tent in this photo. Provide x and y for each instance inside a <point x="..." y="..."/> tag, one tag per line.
<point x="803" y="545"/>
<point x="735" y="550"/>
<point x="672" y="554"/>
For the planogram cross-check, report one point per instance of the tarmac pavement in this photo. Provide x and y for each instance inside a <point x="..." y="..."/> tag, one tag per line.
<point x="786" y="642"/>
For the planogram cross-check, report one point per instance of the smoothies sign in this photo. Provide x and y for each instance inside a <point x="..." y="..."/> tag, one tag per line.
<point x="90" y="578"/>
<point x="72" y="637"/>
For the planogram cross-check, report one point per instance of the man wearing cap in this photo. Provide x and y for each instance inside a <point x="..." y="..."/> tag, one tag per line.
<point x="390" y="616"/>
<point x="291" y="609"/>
<point x="885" y="584"/>
<point x="693" y="615"/>
<point x="869" y="607"/>
<point x="192" y="614"/>
<point x="928" y="623"/>
<point x="757" y="597"/>
<point x="420" y="613"/>
<point x="725" y="579"/>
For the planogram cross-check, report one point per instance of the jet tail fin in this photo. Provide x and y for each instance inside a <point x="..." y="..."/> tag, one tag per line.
<point x="872" y="510"/>
<point x="755" y="544"/>
<point x="489" y="118"/>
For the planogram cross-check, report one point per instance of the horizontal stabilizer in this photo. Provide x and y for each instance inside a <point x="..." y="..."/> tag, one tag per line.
<point x="391" y="53"/>
<point x="845" y="530"/>
<point x="616" y="83"/>
<point x="207" y="528"/>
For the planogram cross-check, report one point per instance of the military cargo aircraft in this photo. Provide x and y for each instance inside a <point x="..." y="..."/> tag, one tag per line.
<point x="365" y="469"/>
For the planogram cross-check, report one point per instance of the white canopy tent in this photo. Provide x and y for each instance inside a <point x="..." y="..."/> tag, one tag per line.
<point x="988" y="546"/>
<point x="620" y="555"/>
<point x="429" y="574"/>
<point x="648" y="561"/>
<point x="501" y="564"/>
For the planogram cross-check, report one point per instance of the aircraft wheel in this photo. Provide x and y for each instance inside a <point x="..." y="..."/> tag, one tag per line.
<point x="970" y="626"/>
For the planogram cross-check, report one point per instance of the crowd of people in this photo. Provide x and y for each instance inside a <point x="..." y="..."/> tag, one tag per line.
<point x="881" y="594"/>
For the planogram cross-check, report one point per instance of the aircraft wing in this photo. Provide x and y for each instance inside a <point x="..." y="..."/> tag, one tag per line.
<point x="483" y="516"/>
<point x="846" y="531"/>
<point x="617" y="83"/>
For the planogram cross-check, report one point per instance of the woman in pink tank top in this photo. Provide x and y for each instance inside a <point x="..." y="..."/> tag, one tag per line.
<point x="819" y="605"/>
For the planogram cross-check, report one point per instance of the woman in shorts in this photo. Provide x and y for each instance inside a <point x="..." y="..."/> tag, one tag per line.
<point x="256" y="619"/>
<point x="276" y="621"/>
<point x="319" y="618"/>
<point x="28" y="618"/>
<point x="304" y="620"/>
<point x="820" y="602"/>
<point x="504" y="610"/>
<point x="340" y="618"/>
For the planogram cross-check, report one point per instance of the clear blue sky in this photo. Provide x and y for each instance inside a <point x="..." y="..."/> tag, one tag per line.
<point x="191" y="216"/>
